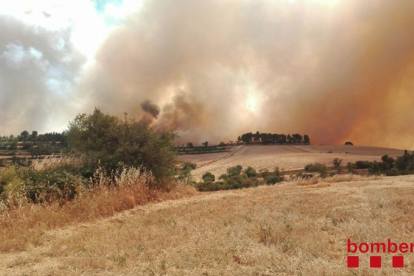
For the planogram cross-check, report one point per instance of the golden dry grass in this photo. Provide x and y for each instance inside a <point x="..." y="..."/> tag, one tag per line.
<point x="287" y="229"/>
<point x="23" y="224"/>
<point x="55" y="161"/>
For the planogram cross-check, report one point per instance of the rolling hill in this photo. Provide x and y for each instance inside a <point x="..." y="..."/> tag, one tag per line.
<point x="287" y="157"/>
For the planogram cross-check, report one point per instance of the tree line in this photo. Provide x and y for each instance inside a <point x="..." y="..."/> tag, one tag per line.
<point x="36" y="144"/>
<point x="273" y="138"/>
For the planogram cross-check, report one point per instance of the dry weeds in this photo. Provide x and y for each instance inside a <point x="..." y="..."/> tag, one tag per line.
<point x="25" y="225"/>
<point x="285" y="229"/>
<point x="54" y="161"/>
<point x="317" y="179"/>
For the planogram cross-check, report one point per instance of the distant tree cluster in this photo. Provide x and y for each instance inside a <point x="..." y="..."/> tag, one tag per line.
<point x="205" y="148"/>
<point x="272" y="138"/>
<point x="237" y="178"/>
<point x="36" y="144"/>
<point x="389" y="166"/>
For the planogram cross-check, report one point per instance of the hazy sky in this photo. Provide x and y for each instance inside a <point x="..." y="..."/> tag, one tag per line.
<point x="336" y="70"/>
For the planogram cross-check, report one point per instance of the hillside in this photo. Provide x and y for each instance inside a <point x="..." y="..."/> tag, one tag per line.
<point x="283" y="156"/>
<point x="286" y="229"/>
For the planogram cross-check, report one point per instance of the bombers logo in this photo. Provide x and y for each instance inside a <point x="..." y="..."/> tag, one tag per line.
<point x="376" y="248"/>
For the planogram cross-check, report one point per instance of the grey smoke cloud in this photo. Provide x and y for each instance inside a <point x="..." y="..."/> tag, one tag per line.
<point x="216" y="69"/>
<point x="38" y="72"/>
<point x="150" y="108"/>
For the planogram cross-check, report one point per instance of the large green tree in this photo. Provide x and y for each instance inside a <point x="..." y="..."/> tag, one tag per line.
<point x="113" y="143"/>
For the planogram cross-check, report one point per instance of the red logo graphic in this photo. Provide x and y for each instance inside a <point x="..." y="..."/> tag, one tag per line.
<point x="376" y="261"/>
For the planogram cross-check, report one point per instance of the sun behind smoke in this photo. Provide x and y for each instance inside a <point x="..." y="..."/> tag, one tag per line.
<point x="251" y="104"/>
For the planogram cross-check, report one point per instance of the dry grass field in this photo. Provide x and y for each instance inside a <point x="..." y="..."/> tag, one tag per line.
<point x="293" y="228"/>
<point x="286" y="157"/>
<point x="287" y="229"/>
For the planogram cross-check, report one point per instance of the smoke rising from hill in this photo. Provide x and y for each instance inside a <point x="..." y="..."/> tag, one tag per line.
<point x="220" y="68"/>
<point x="215" y="69"/>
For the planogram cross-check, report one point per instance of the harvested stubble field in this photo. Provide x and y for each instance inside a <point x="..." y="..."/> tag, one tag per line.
<point x="287" y="229"/>
<point x="294" y="228"/>
<point x="285" y="157"/>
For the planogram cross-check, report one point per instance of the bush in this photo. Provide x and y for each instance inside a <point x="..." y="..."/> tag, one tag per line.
<point x="363" y="164"/>
<point x="351" y="167"/>
<point x="189" y="166"/>
<point x="40" y="186"/>
<point x="273" y="179"/>
<point x="392" y="172"/>
<point x="113" y="143"/>
<point x="300" y="175"/>
<point x="223" y="177"/>
<point x="337" y="163"/>
<point x="208" y="177"/>
<point x="264" y="173"/>
<point x="320" y="168"/>
<point x="54" y="184"/>
<point x="11" y="184"/>
<point x="234" y="171"/>
<point x="250" y="172"/>
<point x="209" y="186"/>
<point x="239" y="182"/>
<point x="374" y="168"/>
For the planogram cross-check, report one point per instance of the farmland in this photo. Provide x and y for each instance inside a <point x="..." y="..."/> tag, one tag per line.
<point x="293" y="228"/>
<point x="290" y="158"/>
<point x="286" y="229"/>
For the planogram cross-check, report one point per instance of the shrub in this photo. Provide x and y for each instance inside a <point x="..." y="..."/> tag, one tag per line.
<point x="374" y="168"/>
<point x="320" y="168"/>
<point x="223" y="177"/>
<point x="239" y="182"/>
<point x="208" y="177"/>
<point x="300" y="175"/>
<point x="363" y="164"/>
<point x="351" y="167"/>
<point x="209" y="186"/>
<point x="273" y="179"/>
<point x="189" y="166"/>
<point x="277" y="171"/>
<point x="11" y="184"/>
<point x="264" y="173"/>
<point x="54" y="184"/>
<point x="234" y="171"/>
<point x="337" y="163"/>
<point x="392" y="172"/>
<point x="112" y="142"/>
<point x="250" y="172"/>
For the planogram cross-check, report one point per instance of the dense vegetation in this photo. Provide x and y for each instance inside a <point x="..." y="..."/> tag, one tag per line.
<point x="272" y="138"/>
<point x="113" y="143"/>
<point x="191" y="149"/>
<point x="389" y="166"/>
<point x="99" y="150"/>
<point x="237" y="178"/>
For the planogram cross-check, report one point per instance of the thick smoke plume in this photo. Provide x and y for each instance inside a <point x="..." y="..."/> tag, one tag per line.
<point x="220" y="68"/>
<point x="38" y="72"/>
<point x="151" y="112"/>
<point x="335" y="70"/>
